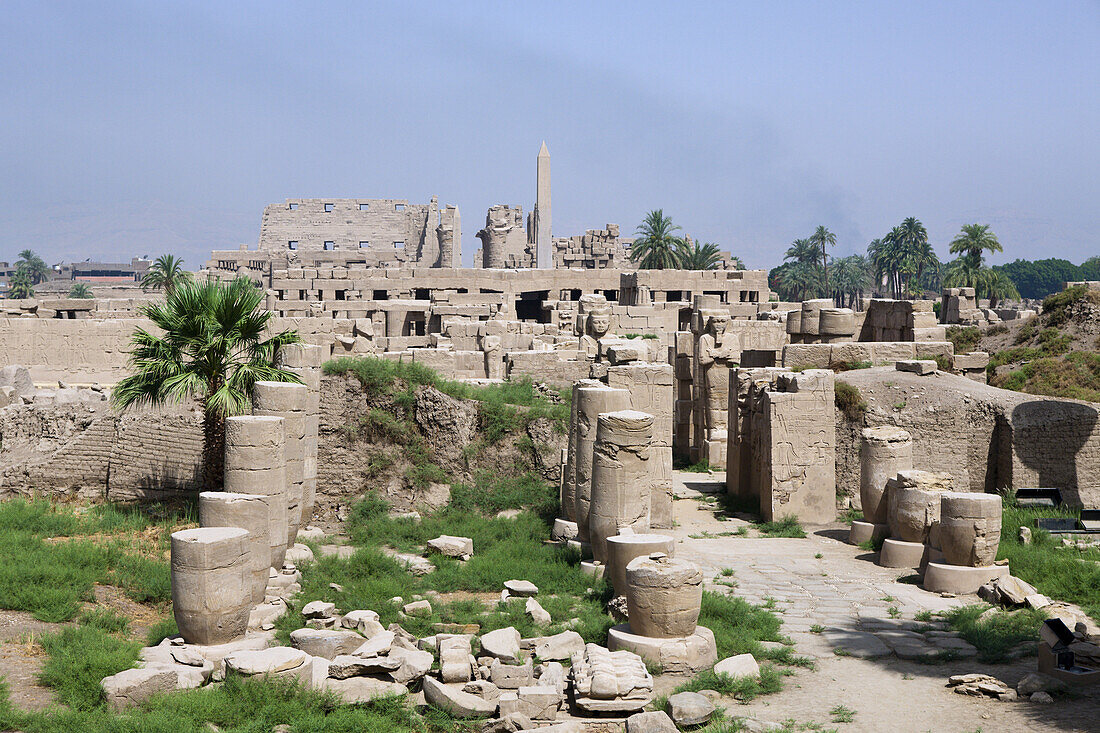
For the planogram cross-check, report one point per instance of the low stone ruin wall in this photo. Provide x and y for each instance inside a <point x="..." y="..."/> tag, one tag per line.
<point x="831" y="356"/>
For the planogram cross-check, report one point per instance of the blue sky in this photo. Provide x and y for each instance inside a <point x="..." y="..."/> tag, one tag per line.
<point x="141" y="128"/>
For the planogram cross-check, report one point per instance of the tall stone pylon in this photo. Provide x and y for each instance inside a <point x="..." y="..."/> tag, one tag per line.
<point x="544" y="255"/>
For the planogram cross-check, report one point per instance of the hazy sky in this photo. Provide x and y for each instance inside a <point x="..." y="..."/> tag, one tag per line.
<point x="146" y="127"/>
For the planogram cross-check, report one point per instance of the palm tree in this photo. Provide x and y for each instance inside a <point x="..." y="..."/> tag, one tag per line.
<point x="822" y="237"/>
<point x="657" y="247"/>
<point x="701" y="256"/>
<point x="20" y="284"/>
<point x="166" y="273"/>
<point x="802" y="250"/>
<point x="80" y="290"/>
<point x="915" y="254"/>
<point x="851" y="279"/>
<point x="973" y="241"/>
<point x="36" y="269"/>
<point x="963" y="272"/>
<point x="213" y="348"/>
<point x="736" y="262"/>
<point x="999" y="286"/>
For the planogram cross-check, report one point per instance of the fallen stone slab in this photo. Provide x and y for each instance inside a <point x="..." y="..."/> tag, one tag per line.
<point x="377" y="645"/>
<point x="539" y="615"/>
<point x="279" y="661"/>
<point x="654" y="722"/>
<point x="417" y="608"/>
<point x="354" y="690"/>
<point x="134" y="686"/>
<point x="346" y="665"/>
<point x="449" y="546"/>
<point x="502" y="644"/>
<point x="921" y="367"/>
<point x="740" y="665"/>
<point x="325" y="642"/>
<point x="512" y="676"/>
<point x="559" y="647"/>
<point x="690" y="708"/>
<point x="535" y="702"/>
<point x="319" y="609"/>
<point x="414" y="664"/>
<point x="521" y="588"/>
<point x="455" y="701"/>
<point x="365" y="622"/>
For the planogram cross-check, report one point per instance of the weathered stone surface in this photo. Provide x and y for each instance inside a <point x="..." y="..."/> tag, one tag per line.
<point x="273" y="661"/>
<point x="365" y="622"/>
<point x="448" y="546"/>
<point x="376" y="645"/>
<point x="134" y="686"/>
<point x="654" y="722"/>
<point x="417" y="608"/>
<point x="455" y="701"/>
<point x="521" y="588"/>
<point x="606" y="681"/>
<point x="978" y="685"/>
<point x="535" y="702"/>
<point x="559" y="646"/>
<point x="741" y="665"/>
<point x="663" y="596"/>
<point x="502" y="644"/>
<point x="324" y="642"/>
<point x="537" y="613"/>
<point x="482" y="688"/>
<point x="970" y="528"/>
<point x="884" y="451"/>
<point x="414" y="664"/>
<point x="1033" y="682"/>
<point x="620" y="485"/>
<point x="1007" y="591"/>
<point x="512" y="676"/>
<point x="690" y="708"/>
<point x="508" y="724"/>
<point x="347" y="665"/>
<point x="916" y="366"/>
<point x="622" y="548"/>
<point x="319" y="609"/>
<point x="913" y="500"/>
<point x="456" y="663"/>
<point x="355" y="690"/>
<point x="211" y="583"/>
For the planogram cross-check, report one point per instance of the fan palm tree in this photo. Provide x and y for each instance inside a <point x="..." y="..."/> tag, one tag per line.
<point x="20" y="284"/>
<point x="213" y="348"/>
<point x="963" y="272"/>
<point x="166" y="273"/>
<point x="657" y="247"/>
<point x="821" y="238"/>
<point x="80" y="290"/>
<point x="701" y="256"/>
<point x="973" y="241"/>
<point x="36" y="269"/>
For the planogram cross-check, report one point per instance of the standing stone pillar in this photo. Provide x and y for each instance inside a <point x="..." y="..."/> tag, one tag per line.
<point x="622" y="548"/>
<point x="969" y="534"/>
<point x="211" y="584"/>
<point x="565" y="528"/>
<point x="290" y="402"/>
<point x="884" y="452"/>
<point x="247" y="511"/>
<point x="620" y="477"/>
<point x="255" y="464"/>
<point x="913" y="513"/>
<point x="591" y="401"/>
<point x="306" y="361"/>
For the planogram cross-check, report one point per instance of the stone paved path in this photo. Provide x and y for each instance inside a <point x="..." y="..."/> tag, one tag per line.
<point x="857" y="621"/>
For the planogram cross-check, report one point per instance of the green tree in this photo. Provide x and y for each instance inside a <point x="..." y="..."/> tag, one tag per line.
<point x="657" y="247"/>
<point x="851" y="279"/>
<point x="36" y="268"/>
<point x="701" y="256"/>
<point x="998" y="286"/>
<point x="803" y="251"/>
<point x="213" y="348"/>
<point x="737" y="263"/>
<point x="166" y="274"/>
<point x="20" y="284"/>
<point x="822" y="238"/>
<point x="915" y="255"/>
<point x="973" y="241"/>
<point x="80" y="290"/>
<point x="1090" y="268"/>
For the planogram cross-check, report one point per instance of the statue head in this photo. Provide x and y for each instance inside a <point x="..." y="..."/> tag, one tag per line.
<point x="717" y="323"/>
<point x="599" y="322"/>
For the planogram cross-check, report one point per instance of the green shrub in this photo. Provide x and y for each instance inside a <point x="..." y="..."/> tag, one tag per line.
<point x="849" y="401"/>
<point x="965" y="338"/>
<point x="79" y="657"/>
<point x="787" y="526"/>
<point x="847" y="366"/>
<point x="1055" y="306"/>
<point x="997" y="635"/>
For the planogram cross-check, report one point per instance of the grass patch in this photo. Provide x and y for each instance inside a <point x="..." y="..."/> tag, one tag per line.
<point x="1073" y="376"/>
<point x="849" y="401"/>
<point x="997" y="635"/>
<point x="1056" y="307"/>
<point x="841" y="714"/>
<point x="851" y="514"/>
<point x="739" y="688"/>
<point x="964" y="338"/>
<point x="848" y="366"/>
<point x="787" y="526"/>
<point x="50" y="557"/>
<point x="79" y="657"/>
<point x="1063" y="573"/>
<point x="703" y="466"/>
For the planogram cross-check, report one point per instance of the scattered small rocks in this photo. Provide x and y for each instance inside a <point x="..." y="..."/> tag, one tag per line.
<point x="1007" y="591"/>
<point x="980" y="685"/>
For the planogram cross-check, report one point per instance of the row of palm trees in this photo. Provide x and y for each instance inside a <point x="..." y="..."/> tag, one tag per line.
<point x="901" y="264"/>
<point x="658" y="247"/>
<point x="30" y="269"/>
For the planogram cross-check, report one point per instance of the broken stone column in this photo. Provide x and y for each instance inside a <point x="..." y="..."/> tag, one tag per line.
<point x="306" y="361"/>
<point x="913" y="513"/>
<point x="620" y="477"/>
<point x="663" y="597"/>
<point x="289" y="401"/>
<point x="969" y="534"/>
<point x="255" y="463"/>
<point x="970" y="528"/>
<point x="211" y="583"/>
<point x="565" y="527"/>
<point x="591" y="401"/>
<point x="885" y="450"/>
<point x="623" y="548"/>
<point x="249" y="512"/>
<point x="651" y="390"/>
